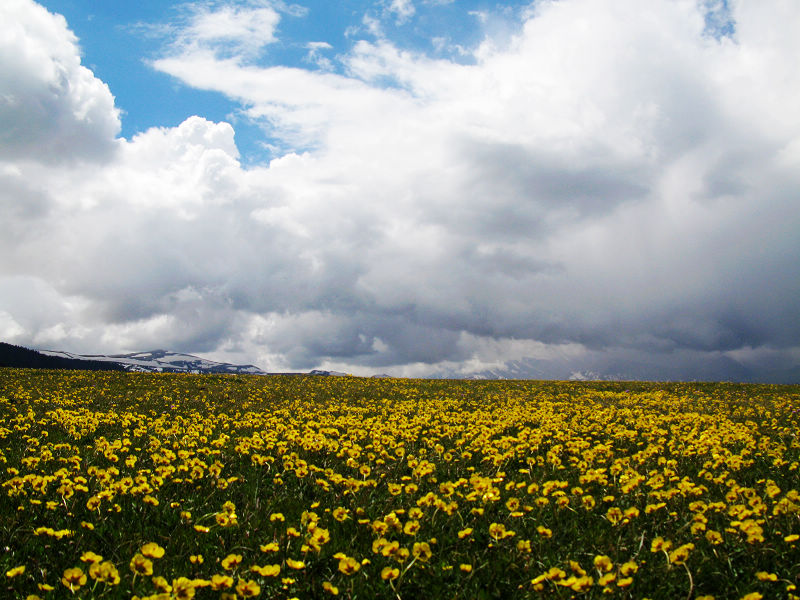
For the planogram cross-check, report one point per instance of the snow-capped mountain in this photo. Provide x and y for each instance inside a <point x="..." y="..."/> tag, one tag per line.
<point x="162" y="361"/>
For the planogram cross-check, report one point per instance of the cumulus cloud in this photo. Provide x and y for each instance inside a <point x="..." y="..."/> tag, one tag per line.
<point x="612" y="182"/>
<point x="52" y="108"/>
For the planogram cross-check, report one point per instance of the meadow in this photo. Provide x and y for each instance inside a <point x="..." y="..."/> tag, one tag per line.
<point x="118" y="485"/>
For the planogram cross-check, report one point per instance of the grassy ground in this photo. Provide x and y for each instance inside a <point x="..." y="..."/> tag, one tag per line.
<point x="118" y="485"/>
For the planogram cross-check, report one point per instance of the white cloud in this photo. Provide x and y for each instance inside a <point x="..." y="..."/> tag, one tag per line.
<point x="225" y="30"/>
<point x="610" y="179"/>
<point x="9" y="328"/>
<point x="314" y="55"/>
<point x="404" y="9"/>
<point x="51" y="107"/>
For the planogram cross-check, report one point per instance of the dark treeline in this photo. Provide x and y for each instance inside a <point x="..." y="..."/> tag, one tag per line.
<point x="24" y="358"/>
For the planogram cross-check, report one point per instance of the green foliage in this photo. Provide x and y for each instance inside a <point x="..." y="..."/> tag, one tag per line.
<point x="389" y="488"/>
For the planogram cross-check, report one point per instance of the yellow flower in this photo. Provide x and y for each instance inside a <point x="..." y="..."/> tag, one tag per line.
<point x="248" y="589"/>
<point x="764" y="576"/>
<point x="224" y="520"/>
<point x="221" y="582"/>
<point x="230" y="562"/>
<point x="267" y="570"/>
<point x="141" y="565"/>
<point x="421" y="551"/>
<point x="466" y="568"/>
<point x="182" y="588"/>
<point x="576" y="568"/>
<point x="554" y="574"/>
<point x="390" y="548"/>
<point x="377" y="545"/>
<point x="73" y="578"/>
<point x="91" y="557"/>
<point x="271" y="547"/>
<point x="603" y="564"/>
<point x="498" y="531"/>
<point x="681" y="554"/>
<point x="464" y="533"/>
<point x="152" y="550"/>
<point x="319" y="537"/>
<point x="389" y="573"/>
<point x="614" y="515"/>
<point x="161" y="584"/>
<point x="15" y="571"/>
<point x="105" y="572"/>
<point x="660" y="545"/>
<point x="714" y="537"/>
<point x="349" y="566"/>
<point x="544" y="531"/>
<point x="295" y="564"/>
<point x="606" y="579"/>
<point x="628" y="568"/>
<point x="631" y="512"/>
<point x="651" y="508"/>
<point x="411" y="527"/>
<point x="330" y="588"/>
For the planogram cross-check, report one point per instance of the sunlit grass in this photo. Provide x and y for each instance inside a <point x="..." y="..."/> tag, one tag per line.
<point x="173" y="486"/>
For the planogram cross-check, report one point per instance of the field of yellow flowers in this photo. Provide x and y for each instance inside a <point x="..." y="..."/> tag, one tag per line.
<point x="119" y="485"/>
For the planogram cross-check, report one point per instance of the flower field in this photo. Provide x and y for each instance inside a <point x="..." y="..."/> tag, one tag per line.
<point x="119" y="485"/>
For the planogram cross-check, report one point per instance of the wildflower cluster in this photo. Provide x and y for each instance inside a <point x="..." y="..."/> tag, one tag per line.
<point x="154" y="486"/>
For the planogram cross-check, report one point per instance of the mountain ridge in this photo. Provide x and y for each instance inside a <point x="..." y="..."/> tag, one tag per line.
<point x="162" y="361"/>
<point x="150" y="361"/>
<point x="559" y="369"/>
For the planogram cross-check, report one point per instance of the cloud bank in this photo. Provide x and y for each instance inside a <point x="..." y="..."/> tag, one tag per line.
<point x="610" y="179"/>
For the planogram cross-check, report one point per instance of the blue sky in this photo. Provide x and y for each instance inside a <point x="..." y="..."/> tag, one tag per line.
<point x="571" y="188"/>
<point x="119" y="39"/>
<point x="116" y="48"/>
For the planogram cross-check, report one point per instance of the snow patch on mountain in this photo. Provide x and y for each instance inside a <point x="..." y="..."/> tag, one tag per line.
<point x="163" y="361"/>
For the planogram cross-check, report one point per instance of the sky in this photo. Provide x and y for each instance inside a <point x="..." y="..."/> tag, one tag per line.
<point x="412" y="187"/>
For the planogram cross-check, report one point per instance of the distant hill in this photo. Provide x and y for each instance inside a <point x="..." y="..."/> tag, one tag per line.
<point x="162" y="361"/>
<point x="152" y="361"/>
<point x="24" y="358"/>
